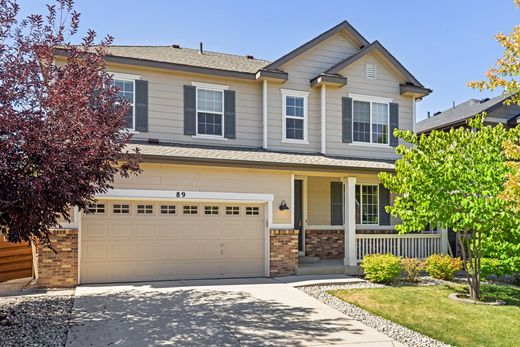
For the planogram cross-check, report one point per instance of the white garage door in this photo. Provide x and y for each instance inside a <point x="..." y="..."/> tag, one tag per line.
<point x="143" y="241"/>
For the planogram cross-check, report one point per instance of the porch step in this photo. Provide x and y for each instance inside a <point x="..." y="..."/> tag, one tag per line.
<point x="307" y="260"/>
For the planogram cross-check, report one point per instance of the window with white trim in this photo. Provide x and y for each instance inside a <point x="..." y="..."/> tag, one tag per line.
<point x="126" y="90"/>
<point x="121" y="209"/>
<point x="144" y="209"/>
<point x="252" y="211"/>
<point x="97" y="208"/>
<point x="211" y="210"/>
<point x="232" y="210"/>
<point x="210" y="112"/>
<point x="168" y="209"/>
<point x="370" y="122"/>
<point x="294" y="116"/>
<point x="367" y="204"/>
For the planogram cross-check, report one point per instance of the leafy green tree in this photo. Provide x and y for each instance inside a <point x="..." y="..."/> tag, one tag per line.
<point x="455" y="179"/>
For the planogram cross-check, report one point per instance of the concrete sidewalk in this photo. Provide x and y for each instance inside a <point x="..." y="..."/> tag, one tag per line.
<point x="244" y="312"/>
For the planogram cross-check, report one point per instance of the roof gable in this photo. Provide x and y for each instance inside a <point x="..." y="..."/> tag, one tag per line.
<point x="343" y="26"/>
<point x="375" y="46"/>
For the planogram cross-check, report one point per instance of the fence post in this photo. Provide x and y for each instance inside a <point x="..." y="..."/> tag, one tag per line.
<point x="444" y="240"/>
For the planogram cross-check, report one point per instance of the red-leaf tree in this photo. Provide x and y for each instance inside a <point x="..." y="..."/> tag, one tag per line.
<point x="62" y="128"/>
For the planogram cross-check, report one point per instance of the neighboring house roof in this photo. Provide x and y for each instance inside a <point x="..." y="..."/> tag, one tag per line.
<point x="317" y="40"/>
<point x="252" y="157"/>
<point x="459" y="114"/>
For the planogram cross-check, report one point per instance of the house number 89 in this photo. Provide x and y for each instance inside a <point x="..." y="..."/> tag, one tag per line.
<point x="180" y="194"/>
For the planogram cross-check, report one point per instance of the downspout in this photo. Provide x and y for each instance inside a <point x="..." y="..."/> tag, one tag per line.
<point x="323" y="121"/>
<point x="264" y="113"/>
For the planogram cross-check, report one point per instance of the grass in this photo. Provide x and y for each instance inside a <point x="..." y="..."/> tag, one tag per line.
<point x="429" y="311"/>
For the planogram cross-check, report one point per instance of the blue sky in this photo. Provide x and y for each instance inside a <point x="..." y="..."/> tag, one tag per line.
<point x="444" y="43"/>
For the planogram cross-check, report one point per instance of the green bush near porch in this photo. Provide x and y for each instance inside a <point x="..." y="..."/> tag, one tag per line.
<point x="429" y="311"/>
<point x="381" y="268"/>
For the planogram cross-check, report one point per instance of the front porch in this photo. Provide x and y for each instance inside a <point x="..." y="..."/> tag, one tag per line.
<point x="340" y="220"/>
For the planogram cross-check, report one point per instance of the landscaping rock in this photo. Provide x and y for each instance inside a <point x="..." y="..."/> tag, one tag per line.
<point x="35" y="320"/>
<point x="404" y="335"/>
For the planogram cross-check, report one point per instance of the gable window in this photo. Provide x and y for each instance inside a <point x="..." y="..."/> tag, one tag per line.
<point x="370" y="122"/>
<point x="367" y="204"/>
<point x="294" y="120"/>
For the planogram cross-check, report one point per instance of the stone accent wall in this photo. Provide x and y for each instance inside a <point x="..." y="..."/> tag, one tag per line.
<point x="60" y="269"/>
<point x="283" y="255"/>
<point x="325" y="244"/>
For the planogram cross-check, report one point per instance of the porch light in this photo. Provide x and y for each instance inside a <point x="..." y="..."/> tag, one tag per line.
<point x="283" y="206"/>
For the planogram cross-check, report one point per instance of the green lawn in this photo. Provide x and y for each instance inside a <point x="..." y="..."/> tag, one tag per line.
<point x="429" y="311"/>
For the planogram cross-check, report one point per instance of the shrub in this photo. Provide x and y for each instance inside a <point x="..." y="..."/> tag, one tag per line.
<point x="490" y="266"/>
<point x="381" y="268"/>
<point x="442" y="266"/>
<point x="412" y="268"/>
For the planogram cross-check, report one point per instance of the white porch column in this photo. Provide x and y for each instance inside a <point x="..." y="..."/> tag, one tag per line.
<point x="323" y="121"/>
<point x="444" y="240"/>
<point x="349" y="220"/>
<point x="264" y="113"/>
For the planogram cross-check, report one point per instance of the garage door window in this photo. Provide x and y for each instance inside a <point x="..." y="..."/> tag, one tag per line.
<point x="97" y="208"/>
<point x="168" y="209"/>
<point x="189" y="210"/>
<point x="252" y="211"/>
<point x="211" y="210"/>
<point x="232" y="210"/>
<point x="121" y="209"/>
<point x="144" y="209"/>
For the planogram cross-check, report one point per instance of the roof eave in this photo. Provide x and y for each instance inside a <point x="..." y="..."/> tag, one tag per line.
<point x="414" y="91"/>
<point x="333" y="81"/>
<point x="272" y="75"/>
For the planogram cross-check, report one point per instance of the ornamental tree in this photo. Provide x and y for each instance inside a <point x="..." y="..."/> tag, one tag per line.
<point x="62" y="137"/>
<point x="455" y="179"/>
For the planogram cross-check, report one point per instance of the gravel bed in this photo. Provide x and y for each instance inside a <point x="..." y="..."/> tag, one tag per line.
<point x="35" y="320"/>
<point x="398" y="332"/>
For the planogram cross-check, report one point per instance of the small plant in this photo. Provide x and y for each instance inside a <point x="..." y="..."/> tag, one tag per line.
<point x="381" y="268"/>
<point x="412" y="268"/>
<point x="490" y="266"/>
<point x="443" y="266"/>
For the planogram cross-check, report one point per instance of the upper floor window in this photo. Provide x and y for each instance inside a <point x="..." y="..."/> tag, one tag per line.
<point x="210" y="109"/>
<point x="370" y="122"/>
<point x="294" y="122"/>
<point x="125" y="84"/>
<point x="367" y="204"/>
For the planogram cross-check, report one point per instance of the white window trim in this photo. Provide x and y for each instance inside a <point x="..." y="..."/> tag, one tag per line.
<point x="305" y="96"/>
<point x="128" y="78"/>
<point x="375" y="71"/>
<point x="361" y="205"/>
<point x="371" y="99"/>
<point x="212" y="87"/>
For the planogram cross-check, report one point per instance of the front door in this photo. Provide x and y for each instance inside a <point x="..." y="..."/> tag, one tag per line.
<point x="298" y="212"/>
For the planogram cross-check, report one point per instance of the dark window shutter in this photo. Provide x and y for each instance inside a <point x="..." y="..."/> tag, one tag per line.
<point x="190" y="117"/>
<point x="336" y="203"/>
<point x="346" y="119"/>
<point x="141" y="105"/>
<point x="384" y="200"/>
<point x="394" y="123"/>
<point x="229" y="114"/>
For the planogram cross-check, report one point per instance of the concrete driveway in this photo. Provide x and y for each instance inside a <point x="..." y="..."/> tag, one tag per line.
<point x="244" y="312"/>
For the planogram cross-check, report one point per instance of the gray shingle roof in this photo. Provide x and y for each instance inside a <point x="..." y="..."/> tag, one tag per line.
<point x="256" y="157"/>
<point x="190" y="57"/>
<point x="460" y="113"/>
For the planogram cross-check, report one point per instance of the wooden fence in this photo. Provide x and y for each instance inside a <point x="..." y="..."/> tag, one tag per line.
<point x="15" y="260"/>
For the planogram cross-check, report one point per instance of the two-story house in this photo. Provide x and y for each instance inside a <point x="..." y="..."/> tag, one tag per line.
<point x="249" y="164"/>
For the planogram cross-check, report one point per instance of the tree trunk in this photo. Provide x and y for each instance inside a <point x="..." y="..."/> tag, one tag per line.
<point x="470" y="247"/>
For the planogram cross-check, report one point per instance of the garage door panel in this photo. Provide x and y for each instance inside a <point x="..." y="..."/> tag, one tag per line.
<point x="161" y="246"/>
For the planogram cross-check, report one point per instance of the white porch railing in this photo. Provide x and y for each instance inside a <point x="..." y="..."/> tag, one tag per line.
<point x="406" y="245"/>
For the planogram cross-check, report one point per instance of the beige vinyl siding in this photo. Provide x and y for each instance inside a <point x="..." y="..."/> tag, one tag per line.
<point x="318" y="200"/>
<point x="385" y="85"/>
<point x="166" y="107"/>
<point x="214" y="179"/>
<point x="301" y="70"/>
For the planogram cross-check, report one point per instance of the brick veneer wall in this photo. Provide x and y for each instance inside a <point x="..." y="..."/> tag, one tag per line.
<point x="59" y="269"/>
<point x="325" y="244"/>
<point x="283" y="255"/>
